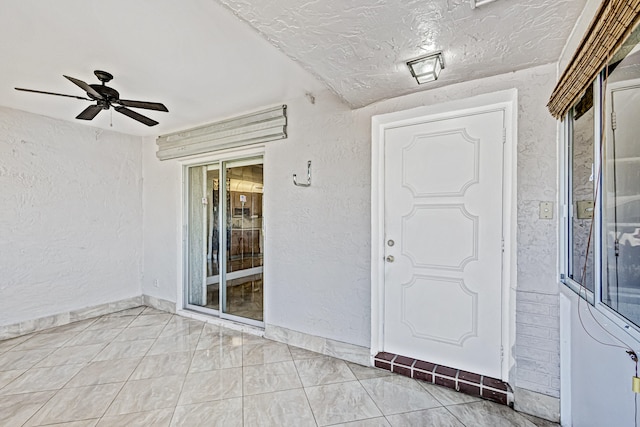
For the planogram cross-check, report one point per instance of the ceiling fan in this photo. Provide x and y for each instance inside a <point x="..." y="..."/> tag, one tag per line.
<point x="106" y="98"/>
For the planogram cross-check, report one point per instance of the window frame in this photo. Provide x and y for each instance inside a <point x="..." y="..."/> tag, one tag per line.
<point x="594" y="299"/>
<point x="568" y="202"/>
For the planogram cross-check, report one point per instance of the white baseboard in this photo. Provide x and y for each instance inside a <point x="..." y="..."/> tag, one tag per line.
<point x="537" y="404"/>
<point x="159" y="304"/>
<point x="329" y="347"/>
<point x="42" y="323"/>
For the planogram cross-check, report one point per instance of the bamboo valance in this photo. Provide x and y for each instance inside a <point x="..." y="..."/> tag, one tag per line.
<point x="610" y="27"/>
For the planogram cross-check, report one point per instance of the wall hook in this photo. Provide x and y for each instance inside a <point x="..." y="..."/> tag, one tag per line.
<point x="308" y="184"/>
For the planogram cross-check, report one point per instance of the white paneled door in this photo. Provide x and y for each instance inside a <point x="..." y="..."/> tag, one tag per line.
<point x="443" y="201"/>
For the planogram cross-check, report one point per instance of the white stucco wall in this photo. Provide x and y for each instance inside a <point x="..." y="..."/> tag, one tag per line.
<point x="161" y="224"/>
<point x="318" y="238"/>
<point x="70" y="216"/>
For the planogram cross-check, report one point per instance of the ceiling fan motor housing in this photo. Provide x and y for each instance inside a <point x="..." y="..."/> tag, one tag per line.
<point x="108" y="94"/>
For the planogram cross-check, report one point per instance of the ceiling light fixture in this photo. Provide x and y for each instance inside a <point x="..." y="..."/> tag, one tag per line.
<point x="478" y="3"/>
<point x="426" y="68"/>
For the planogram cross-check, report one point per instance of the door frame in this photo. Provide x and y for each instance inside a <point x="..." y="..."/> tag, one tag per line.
<point x="506" y="101"/>
<point x="228" y="155"/>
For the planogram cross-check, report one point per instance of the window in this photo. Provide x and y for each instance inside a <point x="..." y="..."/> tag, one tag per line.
<point x="603" y="187"/>
<point x="581" y="170"/>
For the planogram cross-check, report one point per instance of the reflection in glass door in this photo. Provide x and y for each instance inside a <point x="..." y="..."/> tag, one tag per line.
<point x="225" y="240"/>
<point x="242" y="294"/>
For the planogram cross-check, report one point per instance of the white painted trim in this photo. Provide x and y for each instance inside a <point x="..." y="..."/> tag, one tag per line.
<point x="228" y="155"/>
<point x="249" y="329"/>
<point x="565" y="361"/>
<point x="504" y="100"/>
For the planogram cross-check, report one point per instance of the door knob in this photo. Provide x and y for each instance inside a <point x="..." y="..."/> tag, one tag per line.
<point x="390" y="258"/>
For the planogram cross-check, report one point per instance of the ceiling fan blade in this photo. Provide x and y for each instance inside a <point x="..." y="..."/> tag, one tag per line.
<point x="89" y="113"/>
<point x="84" y="86"/>
<point x="143" y="104"/>
<point x="135" y="116"/>
<point x="52" y="93"/>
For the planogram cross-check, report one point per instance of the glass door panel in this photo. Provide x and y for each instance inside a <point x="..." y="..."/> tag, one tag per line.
<point x="225" y="239"/>
<point x="196" y="289"/>
<point x="213" y="238"/>
<point x="243" y="293"/>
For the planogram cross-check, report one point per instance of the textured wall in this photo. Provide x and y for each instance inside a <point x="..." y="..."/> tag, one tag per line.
<point x="318" y="238"/>
<point x="161" y="224"/>
<point x="70" y="216"/>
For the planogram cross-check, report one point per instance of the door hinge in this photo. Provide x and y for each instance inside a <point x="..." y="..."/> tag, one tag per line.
<point x="502" y="244"/>
<point x="502" y="354"/>
<point x="504" y="135"/>
<point x="614" y="121"/>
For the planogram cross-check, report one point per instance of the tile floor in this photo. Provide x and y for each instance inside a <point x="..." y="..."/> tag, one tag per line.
<point x="143" y="367"/>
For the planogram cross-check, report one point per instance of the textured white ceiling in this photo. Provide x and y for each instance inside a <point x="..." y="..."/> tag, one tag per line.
<point x="359" y="48"/>
<point x="204" y="64"/>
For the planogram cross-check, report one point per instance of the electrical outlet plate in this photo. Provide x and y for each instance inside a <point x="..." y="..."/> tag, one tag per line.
<point x="584" y="209"/>
<point x="546" y="210"/>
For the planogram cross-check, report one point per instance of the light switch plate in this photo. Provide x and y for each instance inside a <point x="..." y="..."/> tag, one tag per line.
<point x="546" y="210"/>
<point x="584" y="209"/>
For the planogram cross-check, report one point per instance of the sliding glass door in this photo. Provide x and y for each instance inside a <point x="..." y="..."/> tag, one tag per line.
<point x="225" y="240"/>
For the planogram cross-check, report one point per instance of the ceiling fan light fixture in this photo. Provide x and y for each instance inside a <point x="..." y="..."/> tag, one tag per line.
<point x="426" y="68"/>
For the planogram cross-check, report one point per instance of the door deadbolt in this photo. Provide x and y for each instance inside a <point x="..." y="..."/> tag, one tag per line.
<point x="390" y="258"/>
<point x="391" y="242"/>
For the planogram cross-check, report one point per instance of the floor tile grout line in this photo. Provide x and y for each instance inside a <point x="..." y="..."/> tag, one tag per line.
<point x="454" y="415"/>
<point x="70" y="379"/>
<point x="53" y="350"/>
<point x="372" y="399"/>
<point x="132" y="371"/>
<point x="423" y="385"/>
<point x="369" y="394"/>
<point x="242" y="377"/>
<point x="304" y="389"/>
<point x="111" y="341"/>
<point x="357" y="421"/>
<point x="40" y="408"/>
<point x="34" y="367"/>
<point x="193" y="355"/>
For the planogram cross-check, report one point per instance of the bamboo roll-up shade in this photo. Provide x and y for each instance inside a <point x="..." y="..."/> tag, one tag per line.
<point x="611" y="25"/>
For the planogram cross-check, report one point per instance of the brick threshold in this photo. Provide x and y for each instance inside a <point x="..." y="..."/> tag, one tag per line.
<point x="462" y="381"/>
